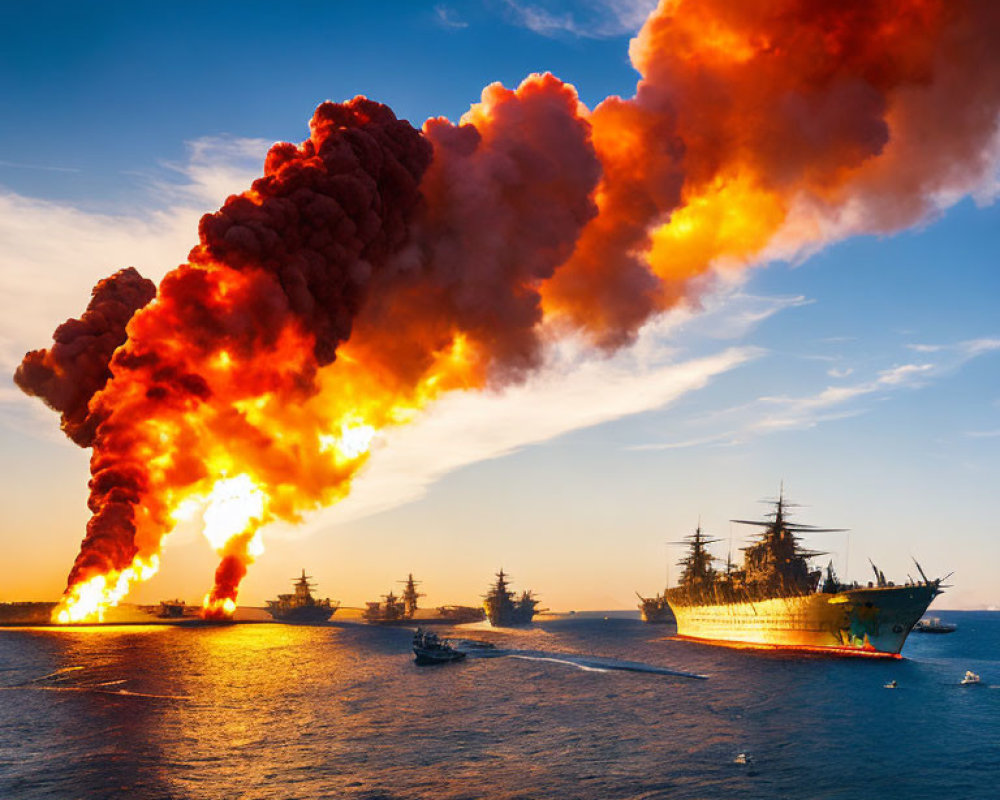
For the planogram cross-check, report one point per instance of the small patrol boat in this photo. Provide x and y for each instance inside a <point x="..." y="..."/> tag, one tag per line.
<point x="934" y="625"/>
<point x="428" y="648"/>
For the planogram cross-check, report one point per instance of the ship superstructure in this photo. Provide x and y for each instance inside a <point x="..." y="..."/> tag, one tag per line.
<point x="655" y="609"/>
<point x="301" y="606"/>
<point x="777" y="600"/>
<point x="698" y="571"/>
<point x="175" y="609"/>
<point x="410" y="596"/>
<point x="392" y="608"/>
<point x="503" y="609"/>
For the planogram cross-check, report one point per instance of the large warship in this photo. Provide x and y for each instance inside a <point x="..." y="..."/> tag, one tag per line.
<point x="301" y="606"/>
<point x="394" y="609"/>
<point x="777" y="601"/>
<point x="503" y="609"/>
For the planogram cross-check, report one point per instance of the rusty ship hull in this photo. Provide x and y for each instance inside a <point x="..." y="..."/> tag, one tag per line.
<point x="873" y="621"/>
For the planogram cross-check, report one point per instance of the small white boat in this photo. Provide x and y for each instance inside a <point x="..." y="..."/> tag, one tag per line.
<point x="891" y="685"/>
<point x="934" y="625"/>
<point x="969" y="679"/>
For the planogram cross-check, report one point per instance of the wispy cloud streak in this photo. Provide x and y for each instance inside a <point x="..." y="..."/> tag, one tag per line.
<point x="776" y="413"/>
<point x="592" y="20"/>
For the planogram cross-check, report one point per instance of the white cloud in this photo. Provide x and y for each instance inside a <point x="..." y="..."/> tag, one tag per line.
<point x="728" y="313"/>
<point x="596" y="19"/>
<point x="906" y="373"/>
<point x="447" y="18"/>
<point x="976" y="347"/>
<point x="775" y="413"/>
<point x="43" y="167"/>
<point x="720" y="439"/>
<point x="52" y="254"/>
<point x="804" y="412"/>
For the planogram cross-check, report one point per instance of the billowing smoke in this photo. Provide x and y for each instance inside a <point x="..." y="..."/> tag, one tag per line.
<point x="76" y="367"/>
<point x="375" y="266"/>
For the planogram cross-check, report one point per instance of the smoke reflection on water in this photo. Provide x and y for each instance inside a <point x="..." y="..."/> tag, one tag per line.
<point x="341" y="711"/>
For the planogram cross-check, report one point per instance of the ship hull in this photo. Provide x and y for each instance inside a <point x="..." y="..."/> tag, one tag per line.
<point x="655" y="610"/>
<point x="426" y="656"/>
<point x="510" y="620"/>
<point x="302" y="614"/>
<point x="856" y="622"/>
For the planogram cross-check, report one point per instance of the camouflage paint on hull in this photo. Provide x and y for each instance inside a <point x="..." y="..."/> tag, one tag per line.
<point x="866" y="621"/>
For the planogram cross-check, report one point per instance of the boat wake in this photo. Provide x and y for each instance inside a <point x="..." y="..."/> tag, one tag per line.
<point x="61" y="681"/>
<point x="577" y="664"/>
<point x="585" y="663"/>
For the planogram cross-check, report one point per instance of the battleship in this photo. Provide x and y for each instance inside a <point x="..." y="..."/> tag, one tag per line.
<point x="778" y="601"/>
<point x="301" y="606"/>
<point x="655" y="609"/>
<point x="394" y="609"/>
<point x="503" y="610"/>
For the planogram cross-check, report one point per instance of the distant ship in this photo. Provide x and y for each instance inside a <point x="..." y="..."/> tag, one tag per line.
<point x="655" y="609"/>
<point x="301" y="606"/>
<point x="934" y="625"/>
<point x="175" y="609"/>
<point x="394" y="609"/>
<point x="503" y="610"/>
<point x="776" y="601"/>
<point x="26" y="613"/>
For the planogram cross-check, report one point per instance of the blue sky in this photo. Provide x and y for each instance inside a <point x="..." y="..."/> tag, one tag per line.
<point x="866" y="377"/>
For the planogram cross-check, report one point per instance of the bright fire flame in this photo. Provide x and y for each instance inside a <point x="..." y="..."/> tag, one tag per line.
<point x="90" y="600"/>
<point x="233" y="504"/>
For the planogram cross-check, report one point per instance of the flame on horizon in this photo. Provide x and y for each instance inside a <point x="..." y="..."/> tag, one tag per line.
<point x="374" y="267"/>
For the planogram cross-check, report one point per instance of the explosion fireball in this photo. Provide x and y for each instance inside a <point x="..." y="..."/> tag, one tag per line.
<point x="375" y="266"/>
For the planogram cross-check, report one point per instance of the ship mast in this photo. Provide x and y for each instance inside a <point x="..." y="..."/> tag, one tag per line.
<point x="697" y="563"/>
<point x="776" y="562"/>
<point x="410" y="595"/>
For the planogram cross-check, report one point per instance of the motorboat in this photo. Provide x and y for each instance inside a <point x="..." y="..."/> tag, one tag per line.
<point x="428" y="648"/>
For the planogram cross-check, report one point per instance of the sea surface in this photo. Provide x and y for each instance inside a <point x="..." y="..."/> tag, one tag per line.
<point x="584" y="706"/>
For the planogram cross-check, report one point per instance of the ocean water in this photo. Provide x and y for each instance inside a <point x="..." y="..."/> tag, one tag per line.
<point x="577" y="707"/>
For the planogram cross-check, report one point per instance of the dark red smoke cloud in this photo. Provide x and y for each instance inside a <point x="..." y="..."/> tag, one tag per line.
<point x="69" y="373"/>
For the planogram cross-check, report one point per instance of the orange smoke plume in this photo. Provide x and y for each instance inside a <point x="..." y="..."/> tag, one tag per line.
<point x="375" y="266"/>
